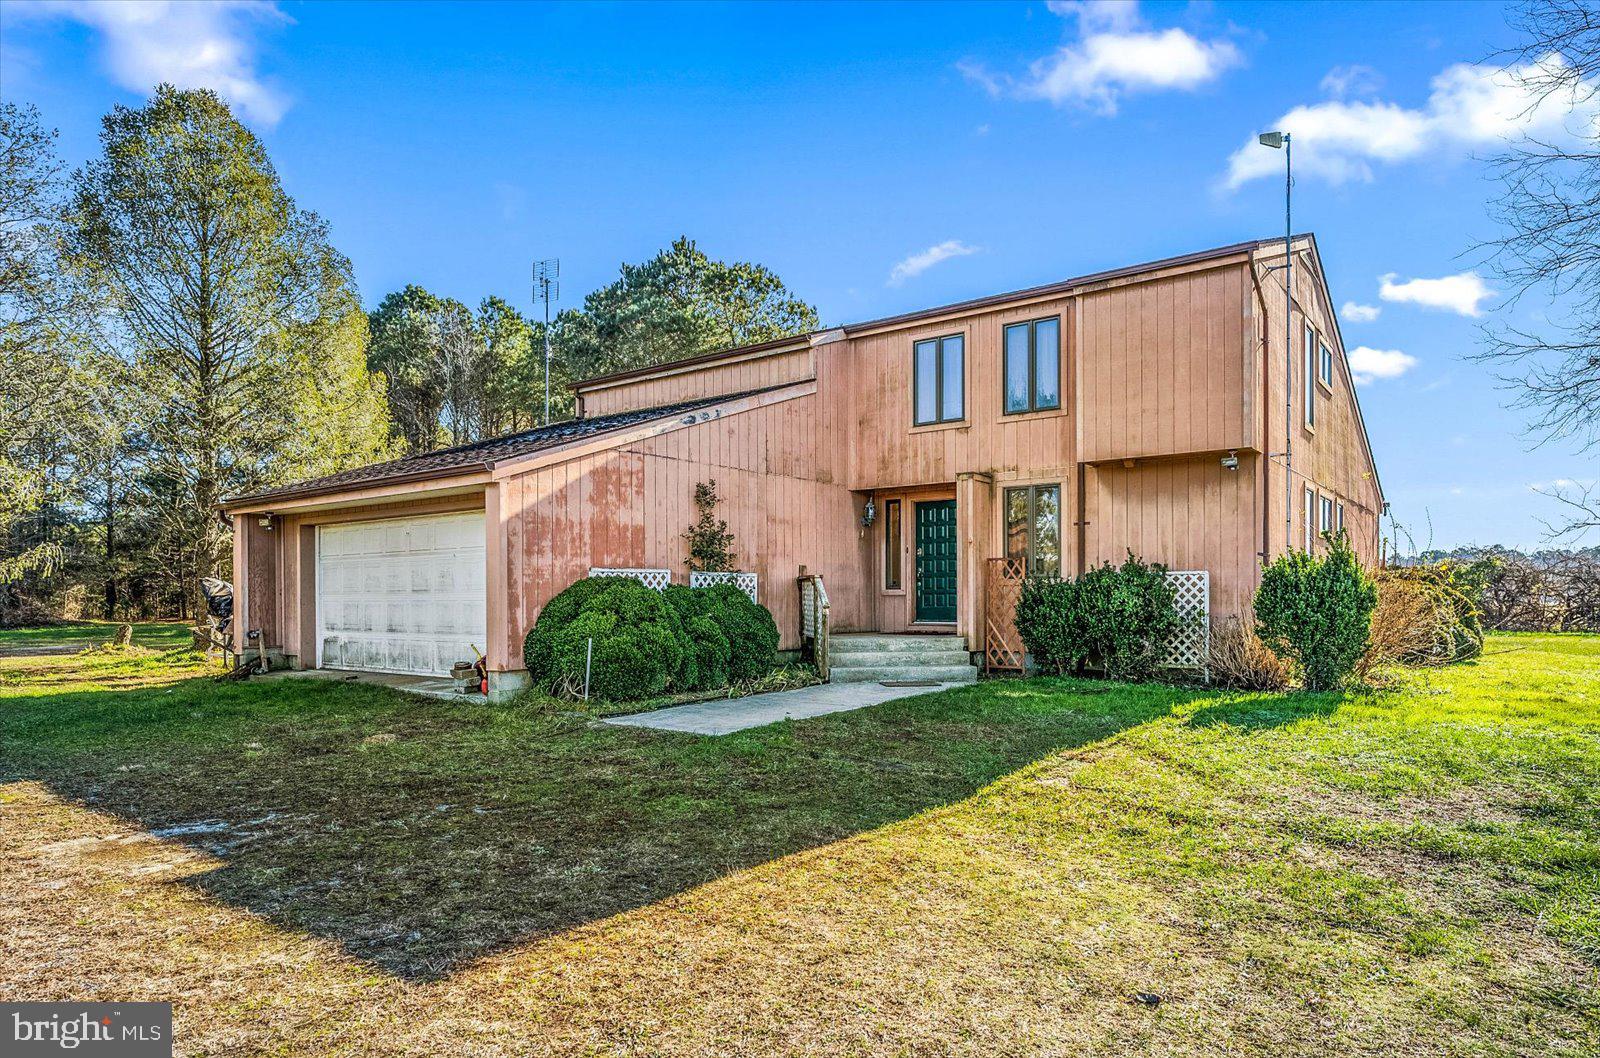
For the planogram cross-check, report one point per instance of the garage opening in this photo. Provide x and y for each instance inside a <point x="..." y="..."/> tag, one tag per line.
<point x="401" y="594"/>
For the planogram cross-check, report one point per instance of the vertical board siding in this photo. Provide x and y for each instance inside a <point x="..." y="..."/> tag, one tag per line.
<point x="709" y="381"/>
<point x="1162" y="366"/>
<point x="630" y="506"/>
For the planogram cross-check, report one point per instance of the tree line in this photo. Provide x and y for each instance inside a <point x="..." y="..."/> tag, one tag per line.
<point x="175" y="329"/>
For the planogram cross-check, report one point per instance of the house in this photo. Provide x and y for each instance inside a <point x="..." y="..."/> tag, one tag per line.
<point x="1147" y="408"/>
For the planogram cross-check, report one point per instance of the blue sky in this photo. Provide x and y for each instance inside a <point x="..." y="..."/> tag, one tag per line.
<point x="884" y="157"/>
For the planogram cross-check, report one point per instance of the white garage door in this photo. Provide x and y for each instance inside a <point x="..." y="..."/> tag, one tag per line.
<point x="401" y="595"/>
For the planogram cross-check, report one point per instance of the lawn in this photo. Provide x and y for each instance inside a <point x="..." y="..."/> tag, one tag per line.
<point x="80" y="635"/>
<point x="310" y="867"/>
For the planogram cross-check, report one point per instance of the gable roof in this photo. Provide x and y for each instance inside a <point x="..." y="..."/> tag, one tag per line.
<point x="482" y="455"/>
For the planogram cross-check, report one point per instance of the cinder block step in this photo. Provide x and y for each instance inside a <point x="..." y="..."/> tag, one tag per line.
<point x="898" y="658"/>
<point x="879" y="673"/>
<point x="868" y="643"/>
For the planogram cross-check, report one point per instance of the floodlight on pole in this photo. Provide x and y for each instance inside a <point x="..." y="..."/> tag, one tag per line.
<point x="1282" y="140"/>
<point x="547" y="288"/>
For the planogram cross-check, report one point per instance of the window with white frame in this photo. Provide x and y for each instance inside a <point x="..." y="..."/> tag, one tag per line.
<point x="1326" y="525"/>
<point x="1341" y="517"/>
<point x="1325" y="364"/>
<point x="1309" y="516"/>
<point x="1311" y="376"/>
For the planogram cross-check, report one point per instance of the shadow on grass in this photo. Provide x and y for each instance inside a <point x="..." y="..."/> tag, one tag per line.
<point x="1264" y="710"/>
<point x="420" y="835"/>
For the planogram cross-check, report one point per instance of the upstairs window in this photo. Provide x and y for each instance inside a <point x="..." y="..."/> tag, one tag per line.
<point x="1033" y="366"/>
<point x="1325" y="364"/>
<point x="1309" y="515"/>
<point x="1033" y="528"/>
<point x="1341" y="518"/>
<point x="1327" y="515"/>
<point x="938" y="370"/>
<point x="1310" y="376"/>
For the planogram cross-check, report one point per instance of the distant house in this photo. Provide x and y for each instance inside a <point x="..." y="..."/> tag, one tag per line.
<point x="1141" y="408"/>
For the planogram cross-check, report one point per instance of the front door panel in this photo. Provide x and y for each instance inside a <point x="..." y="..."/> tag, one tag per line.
<point x="936" y="561"/>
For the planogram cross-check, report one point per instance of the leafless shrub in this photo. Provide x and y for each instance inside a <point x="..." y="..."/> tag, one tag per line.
<point x="1239" y="659"/>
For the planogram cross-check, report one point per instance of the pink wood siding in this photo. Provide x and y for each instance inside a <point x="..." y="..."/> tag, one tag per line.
<point x="629" y="507"/>
<point x="738" y="376"/>
<point x="1165" y="367"/>
<point x="1186" y="513"/>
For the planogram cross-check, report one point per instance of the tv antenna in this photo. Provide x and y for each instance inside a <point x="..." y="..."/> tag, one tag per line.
<point x="547" y="288"/>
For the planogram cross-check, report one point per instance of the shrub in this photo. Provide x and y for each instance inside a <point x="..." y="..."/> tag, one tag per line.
<point x="710" y="544"/>
<point x="1426" y="615"/>
<point x="707" y="665"/>
<point x="751" y="631"/>
<point x="1118" y="616"/>
<point x="1049" y="622"/>
<point x="1317" y="611"/>
<point x="641" y="647"/>
<point x="1239" y="659"/>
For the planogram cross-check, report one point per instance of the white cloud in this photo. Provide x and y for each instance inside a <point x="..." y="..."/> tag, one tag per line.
<point x="1356" y="313"/>
<point x="919" y="263"/>
<point x="1368" y="364"/>
<point x="1469" y="107"/>
<point x="1344" y="81"/>
<point x="1115" y="54"/>
<point x="1462" y="293"/>
<point x="192" y="45"/>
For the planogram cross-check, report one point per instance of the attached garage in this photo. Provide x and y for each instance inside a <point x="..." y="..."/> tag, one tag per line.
<point x="401" y="594"/>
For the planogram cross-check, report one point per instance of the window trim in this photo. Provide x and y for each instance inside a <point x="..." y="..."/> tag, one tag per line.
<point x="1325" y="365"/>
<point x="1309" y="366"/>
<point x="939" y="379"/>
<point x="894" y="547"/>
<point x="1030" y="552"/>
<point x="1340" y="515"/>
<point x="1033" y="365"/>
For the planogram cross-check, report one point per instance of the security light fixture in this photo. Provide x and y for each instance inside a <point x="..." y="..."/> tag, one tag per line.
<point x="265" y="521"/>
<point x="1230" y="461"/>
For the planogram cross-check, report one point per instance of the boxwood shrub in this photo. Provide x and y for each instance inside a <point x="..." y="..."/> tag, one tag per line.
<point x="1317" y="612"/>
<point x="647" y="642"/>
<point x="1119" y="617"/>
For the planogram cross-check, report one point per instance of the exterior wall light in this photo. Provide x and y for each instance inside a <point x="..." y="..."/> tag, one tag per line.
<point x="1230" y="461"/>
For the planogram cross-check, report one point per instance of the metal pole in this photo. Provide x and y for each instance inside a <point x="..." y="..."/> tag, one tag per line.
<point x="1288" y="344"/>
<point x="546" y="284"/>
<point x="588" y="661"/>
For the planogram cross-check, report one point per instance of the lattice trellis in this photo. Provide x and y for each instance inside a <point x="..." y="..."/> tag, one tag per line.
<point x="650" y="578"/>
<point x="1190" y="647"/>
<point x="745" y="582"/>
<point x="1002" y="646"/>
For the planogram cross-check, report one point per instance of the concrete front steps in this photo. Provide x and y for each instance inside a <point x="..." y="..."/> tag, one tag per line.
<point x="865" y="657"/>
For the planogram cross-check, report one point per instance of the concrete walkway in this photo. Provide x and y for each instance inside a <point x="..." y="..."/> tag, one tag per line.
<point x="727" y="715"/>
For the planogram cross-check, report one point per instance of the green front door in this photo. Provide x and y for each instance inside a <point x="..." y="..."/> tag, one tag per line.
<point x="936" y="560"/>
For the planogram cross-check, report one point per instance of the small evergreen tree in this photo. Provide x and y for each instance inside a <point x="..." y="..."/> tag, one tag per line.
<point x="1317" y="611"/>
<point x="710" y="543"/>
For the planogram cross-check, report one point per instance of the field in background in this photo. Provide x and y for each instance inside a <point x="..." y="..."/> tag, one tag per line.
<point x="1014" y="867"/>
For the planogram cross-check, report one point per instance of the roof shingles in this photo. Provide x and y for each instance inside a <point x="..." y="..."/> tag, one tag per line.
<point x="480" y="455"/>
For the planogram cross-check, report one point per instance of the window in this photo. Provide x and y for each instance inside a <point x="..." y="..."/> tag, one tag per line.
<point x="938" y="379"/>
<point x="1341" y="518"/>
<point x="1033" y="366"/>
<point x="1033" y="528"/>
<point x="1325" y="364"/>
<point x="1326" y="525"/>
<point x="891" y="544"/>
<point x="1310" y="514"/>
<point x="1310" y="376"/>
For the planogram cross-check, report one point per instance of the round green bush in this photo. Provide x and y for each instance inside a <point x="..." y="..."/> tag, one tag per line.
<point x="752" y="633"/>
<point x="641" y="647"/>
<point x="1317" y="612"/>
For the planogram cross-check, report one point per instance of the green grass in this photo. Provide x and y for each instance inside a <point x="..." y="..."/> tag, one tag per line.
<point x="78" y="635"/>
<point x="992" y="868"/>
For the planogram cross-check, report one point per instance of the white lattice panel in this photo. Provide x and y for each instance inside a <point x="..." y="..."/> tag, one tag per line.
<point x="1190" y="646"/>
<point x="650" y="578"/>
<point x="745" y="582"/>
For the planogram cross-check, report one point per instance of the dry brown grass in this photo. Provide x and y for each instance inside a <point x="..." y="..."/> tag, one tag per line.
<point x="1239" y="659"/>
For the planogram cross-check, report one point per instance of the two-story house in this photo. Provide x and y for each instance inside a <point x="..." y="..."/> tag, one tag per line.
<point x="1152" y="408"/>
